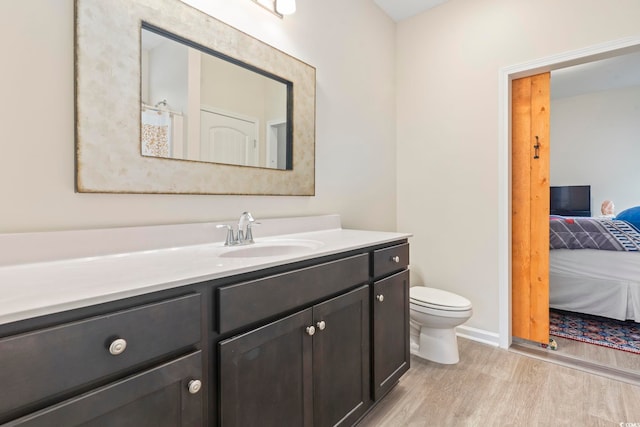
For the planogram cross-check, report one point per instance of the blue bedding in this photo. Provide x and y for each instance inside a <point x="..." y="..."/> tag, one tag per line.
<point x="631" y="215"/>
<point x="593" y="233"/>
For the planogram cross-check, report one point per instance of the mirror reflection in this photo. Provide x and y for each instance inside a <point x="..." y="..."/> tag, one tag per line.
<point x="199" y="105"/>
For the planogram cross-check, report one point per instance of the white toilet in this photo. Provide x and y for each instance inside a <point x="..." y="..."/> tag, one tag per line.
<point x="434" y="315"/>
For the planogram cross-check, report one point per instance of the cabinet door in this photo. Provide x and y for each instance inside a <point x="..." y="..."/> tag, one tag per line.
<point x="341" y="359"/>
<point x="265" y="375"/>
<point x="390" y="331"/>
<point x="159" y="397"/>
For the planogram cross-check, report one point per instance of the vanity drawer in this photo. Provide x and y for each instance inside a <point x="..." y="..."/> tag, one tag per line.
<point x="248" y="302"/>
<point x="390" y="260"/>
<point x="43" y="363"/>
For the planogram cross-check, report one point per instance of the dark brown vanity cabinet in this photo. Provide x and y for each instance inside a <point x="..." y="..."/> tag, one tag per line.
<point x="326" y="363"/>
<point x="314" y="343"/>
<point x="308" y="369"/>
<point x="133" y="367"/>
<point x="390" y="313"/>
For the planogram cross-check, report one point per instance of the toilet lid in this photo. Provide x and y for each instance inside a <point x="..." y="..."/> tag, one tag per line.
<point x="437" y="298"/>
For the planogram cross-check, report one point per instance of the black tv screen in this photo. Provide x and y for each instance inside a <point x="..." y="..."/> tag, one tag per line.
<point x="571" y="200"/>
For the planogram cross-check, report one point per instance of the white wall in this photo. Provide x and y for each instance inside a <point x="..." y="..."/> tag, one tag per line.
<point x="449" y="60"/>
<point x="595" y="140"/>
<point x="167" y="75"/>
<point x="350" y="43"/>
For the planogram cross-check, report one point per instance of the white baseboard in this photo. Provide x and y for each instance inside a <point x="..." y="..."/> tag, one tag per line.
<point x="479" y="335"/>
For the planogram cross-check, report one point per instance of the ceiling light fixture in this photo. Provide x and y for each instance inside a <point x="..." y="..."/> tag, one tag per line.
<point x="286" y="7"/>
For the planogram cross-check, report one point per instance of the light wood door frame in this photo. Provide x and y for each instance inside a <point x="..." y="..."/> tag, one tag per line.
<point x="530" y="207"/>
<point x="505" y="76"/>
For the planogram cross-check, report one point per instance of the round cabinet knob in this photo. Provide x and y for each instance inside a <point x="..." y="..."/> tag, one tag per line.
<point x="118" y="346"/>
<point x="195" y="386"/>
<point x="310" y="330"/>
<point x="321" y="325"/>
<point x="380" y="297"/>
<point x="395" y="259"/>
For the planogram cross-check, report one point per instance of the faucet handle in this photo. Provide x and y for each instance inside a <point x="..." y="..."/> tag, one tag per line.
<point x="249" y="237"/>
<point x="230" y="239"/>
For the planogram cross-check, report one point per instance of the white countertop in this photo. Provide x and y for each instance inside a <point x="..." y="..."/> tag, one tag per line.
<point x="53" y="282"/>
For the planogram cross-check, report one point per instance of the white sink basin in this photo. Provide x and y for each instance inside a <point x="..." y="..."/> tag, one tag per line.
<point x="269" y="248"/>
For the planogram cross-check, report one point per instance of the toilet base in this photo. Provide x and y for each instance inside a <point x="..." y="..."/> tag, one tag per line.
<point x="436" y="345"/>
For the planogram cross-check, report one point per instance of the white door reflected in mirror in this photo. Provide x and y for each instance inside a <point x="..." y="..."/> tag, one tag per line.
<point x="227" y="139"/>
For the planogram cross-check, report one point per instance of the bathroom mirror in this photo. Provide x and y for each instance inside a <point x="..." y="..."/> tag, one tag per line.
<point x="112" y="95"/>
<point x="241" y="112"/>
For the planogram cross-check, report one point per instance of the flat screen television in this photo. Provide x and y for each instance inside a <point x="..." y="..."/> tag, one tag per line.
<point x="571" y="200"/>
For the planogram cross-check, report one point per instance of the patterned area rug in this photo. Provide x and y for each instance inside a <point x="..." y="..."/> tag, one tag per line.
<point x="602" y="331"/>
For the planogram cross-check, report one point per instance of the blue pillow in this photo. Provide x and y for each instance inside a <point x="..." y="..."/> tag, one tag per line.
<point x="631" y="215"/>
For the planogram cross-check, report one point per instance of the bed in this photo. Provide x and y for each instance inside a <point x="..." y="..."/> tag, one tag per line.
<point x="594" y="267"/>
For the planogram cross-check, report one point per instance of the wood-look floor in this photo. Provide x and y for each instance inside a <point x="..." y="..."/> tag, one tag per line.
<point x="496" y="387"/>
<point x="599" y="355"/>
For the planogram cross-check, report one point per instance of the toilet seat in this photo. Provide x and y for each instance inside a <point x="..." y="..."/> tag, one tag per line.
<point x="437" y="299"/>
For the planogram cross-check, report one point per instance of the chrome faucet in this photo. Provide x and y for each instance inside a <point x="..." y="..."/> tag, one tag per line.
<point x="244" y="228"/>
<point x="244" y="236"/>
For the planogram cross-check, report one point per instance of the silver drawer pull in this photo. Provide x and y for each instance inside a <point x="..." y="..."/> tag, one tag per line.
<point x="380" y="297"/>
<point x="118" y="346"/>
<point x="311" y="330"/>
<point x="321" y="325"/>
<point x="195" y="386"/>
<point x="395" y="259"/>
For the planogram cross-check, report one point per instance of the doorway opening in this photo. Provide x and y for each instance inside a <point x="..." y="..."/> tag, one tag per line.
<point x="596" y="53"/>
<point x="277" y="144"/>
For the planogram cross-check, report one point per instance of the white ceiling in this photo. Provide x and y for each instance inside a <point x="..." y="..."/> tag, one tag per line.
<point x="607" y="74"/>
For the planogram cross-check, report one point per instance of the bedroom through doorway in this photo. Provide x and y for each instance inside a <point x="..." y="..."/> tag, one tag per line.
<point x="593" y="291"/>
<point x="598" y="355"/>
